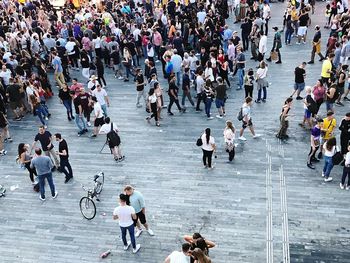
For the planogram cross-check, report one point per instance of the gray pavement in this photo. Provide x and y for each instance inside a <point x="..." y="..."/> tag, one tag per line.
<point x="265" y="206"/>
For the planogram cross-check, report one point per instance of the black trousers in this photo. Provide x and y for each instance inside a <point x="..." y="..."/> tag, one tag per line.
<point x="231" y="154"/>
<point x="248" y="91"/>
<point x="344" y="142"/>
<point x="172" y="100"/>
<point x="312" y="154"/>
<point x="207" y="156"/>
<point x="346" y="173"/>
<point x="154" y="111"/>
<point x="64" y="163"/>
<point x="199" y="99"/>
<point x="31" y="171"/>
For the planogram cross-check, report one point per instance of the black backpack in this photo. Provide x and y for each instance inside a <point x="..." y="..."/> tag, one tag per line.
<point x="113" y="138"/>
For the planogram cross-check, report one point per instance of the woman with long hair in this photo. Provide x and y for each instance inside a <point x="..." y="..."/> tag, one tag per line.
<point x="282" y="134"/>
<point x="25" y="159"/>
<point x="152" y="105"/>
<point x="199" y="256"/>
<point x="261" y="82"/>
<point x="39" y="110"/>
<point x="197" y="241"/>
<point x="159" y="93"/>
<point x="208" y="147"/>
<point x="100" y="72"/>
<point x="229" y="137"/>
<point x="329" y="150"/>
<point x="209" y="94"/>
<point x="127" y="63"/>
<point x="66" y="100"/>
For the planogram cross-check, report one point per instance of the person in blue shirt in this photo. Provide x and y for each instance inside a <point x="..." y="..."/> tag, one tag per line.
<point x="57" y="65"/>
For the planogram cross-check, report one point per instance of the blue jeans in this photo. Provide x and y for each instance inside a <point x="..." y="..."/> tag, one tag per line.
<point x="42" y="177"/>
<point x="104" y="109"/>
<point x="207" y="107"/>
<point x="81" y="119"/>
<point x="328" y="165"/>
<point x="178" y="78"/>
<point x="288" y="36"/>
<point x="240" y="74"/>
<point x="329" y="106"/>
<point x="68" y="105"/>
<point x="41" y="112"/>
<point x="263" y="89"/>
<point x="131" y="230"/>
<point x="128" y="72"/>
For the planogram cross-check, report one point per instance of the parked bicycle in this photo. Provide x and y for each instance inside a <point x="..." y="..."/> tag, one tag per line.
<point x="87" y="204"/>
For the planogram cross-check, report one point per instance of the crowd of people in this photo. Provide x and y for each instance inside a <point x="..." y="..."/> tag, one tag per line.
<point x="191" y="45"/>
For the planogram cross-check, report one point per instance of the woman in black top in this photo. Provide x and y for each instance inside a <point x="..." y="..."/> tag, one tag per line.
<point x="66" y="100"/>
<point x="282" y="134"/>
<point x="100" y="72"/>
<point x="24" y="158"/>
<point x="209" y="95"/>
<point x="345" y="133"/>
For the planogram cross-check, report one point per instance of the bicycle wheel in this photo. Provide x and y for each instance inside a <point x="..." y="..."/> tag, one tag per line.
<point x="87" y="208"/>
<point x="99" y="183"/>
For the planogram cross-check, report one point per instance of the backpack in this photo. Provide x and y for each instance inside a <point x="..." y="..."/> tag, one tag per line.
<point x="113" y="138"/>
<point x="240" y="115"/>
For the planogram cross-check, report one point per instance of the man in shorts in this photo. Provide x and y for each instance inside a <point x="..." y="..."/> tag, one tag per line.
<point x="138" y="203"/>
<point x="99" y="119"/>
<point x="220" y="98"/>
<point x="247" y="120"/>
<point x="299" y="83"/>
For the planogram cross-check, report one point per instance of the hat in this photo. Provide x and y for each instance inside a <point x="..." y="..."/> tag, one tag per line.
<point x="275" y="28"/>
<point x="93" y="77"/>
<point x="235" y="32"/>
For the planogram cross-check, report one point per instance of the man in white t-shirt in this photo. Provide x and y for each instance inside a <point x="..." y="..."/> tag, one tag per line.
<point x="126" y="214"/>
<point x="180" y="256"/>
<point x="99" y="120"/>
<point x="102" y="98"/>
<point x="247" y="120"/>
<point x="114" y="146"/>
<point x="266" y="17"/>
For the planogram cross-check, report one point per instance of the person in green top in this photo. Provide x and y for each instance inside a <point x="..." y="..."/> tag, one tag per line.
<point x="277" y="44"/>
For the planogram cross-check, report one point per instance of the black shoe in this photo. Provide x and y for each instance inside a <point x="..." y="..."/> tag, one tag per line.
<point x="68" y="179"/>
<point x="339" y="103"/>
<point x="319" y="156"/>
<point x="268" y="59"/>
<point x="49" y="115"/>
<point x="53" y="169"/>
<point x="263" y="100"/>
<point x="310" y="166"/>
<point x="279" y="62"/>
<point x="69" y="118"/>
<point x="72" y="117"/>
<point x="315" y="160"/>
<point x="346" y="98"/>
<point x="85" y="130"/>
<point x="170" y="113"/>
<point x="321" y="59"/>
<point x="299" y="98"/>
<point x="199" y="110"/>
<point x="311" y="62"/>
<point x="257" y="101"/>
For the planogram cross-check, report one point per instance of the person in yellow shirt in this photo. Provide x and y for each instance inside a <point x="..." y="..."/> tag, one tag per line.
<point x="327" y="69"/>
<point x="327" y="129"/>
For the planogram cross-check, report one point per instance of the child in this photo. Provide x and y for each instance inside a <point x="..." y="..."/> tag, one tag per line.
<point x="249" y="83"/>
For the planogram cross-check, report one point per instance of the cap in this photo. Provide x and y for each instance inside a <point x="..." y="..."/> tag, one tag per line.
<point x="93" y="77"/>
<point x="275" y="28"/>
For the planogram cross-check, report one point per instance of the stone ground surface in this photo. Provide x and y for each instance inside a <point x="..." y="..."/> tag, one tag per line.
<point x="265" y="205"/>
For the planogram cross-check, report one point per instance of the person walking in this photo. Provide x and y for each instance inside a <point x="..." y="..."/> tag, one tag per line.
<point x="43" y="166"/>
<point x="113" y="139"/>
<point x="229" y="137"/>
<point x="140" y="87"/>
<point x="173" y="95"/>
<point x="209" y="94"/>
<point x="316" y="45"/>
<point x="102" y="97"/>
<point x="64" y="155"/>
<point x="137" y="201"/>
<point x="247" y="120"/>
<point x="208" y="148"/>
<point x="329" y="150"/>
<point x="277" y="44"/>
<point x="249" y="83"/>
<point x="45" y="139"/>
<point x="299" y="84"/>
<point x="153" y="106"/>
<point x="240" y="64"/>
<point x="186" y="88"/>
<point x="66" y="100"/>
<point x="284" y="122"/>
<point x="199" y="88"/>
<point x="99" y="119"/>
<point x="220" y="97"/>
<point x="25" y="159"/>
<point x="315" y="143"/>
<point x="345" y="133"/>
<point x="346" y="171"/>
<point x="126" y="214"/>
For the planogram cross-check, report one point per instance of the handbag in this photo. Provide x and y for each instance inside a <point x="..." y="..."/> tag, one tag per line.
<point x="274" y="55"/>
<point x="199" y="142"/>
<point x="337" y="158"/>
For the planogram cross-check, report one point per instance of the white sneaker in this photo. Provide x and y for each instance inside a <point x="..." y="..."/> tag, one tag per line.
<point x="150" y="232"/>
<point x="138" y="232"/>
<point x="322" y="174"/>
<point x="42" y="199"/>
<point x="256" y="136"/>
<point x="56" y="194"/>
<point x="120" y="78"/>
<point x="341" y="186"/>
<point x="135" y="250"/>
<point x="242" y="138"/>
<point x="329" y="179"/>
<point x="347" y="187"/>
<point x="210" y="118"/>
<point x="219" y="116"/>
<point x="3" y="152"/>
<point x="127" y="246"/>
<point x="89" y="124"/>
<point x="46" y="118"/>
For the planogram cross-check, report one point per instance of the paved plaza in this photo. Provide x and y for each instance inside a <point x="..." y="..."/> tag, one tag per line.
<point x="265" y="206"/>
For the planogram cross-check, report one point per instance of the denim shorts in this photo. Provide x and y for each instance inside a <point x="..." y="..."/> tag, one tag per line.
<point x="219" y="103"/>
<point x="307" y="114"/>
<point x="299" y="86"/>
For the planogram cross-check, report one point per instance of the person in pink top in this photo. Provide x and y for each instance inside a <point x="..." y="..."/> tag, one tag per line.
<point x="157" y="41"/>
<point x="76" y="86"/>
<point x="319" y="94"/>
<point x="87" y="44"/>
